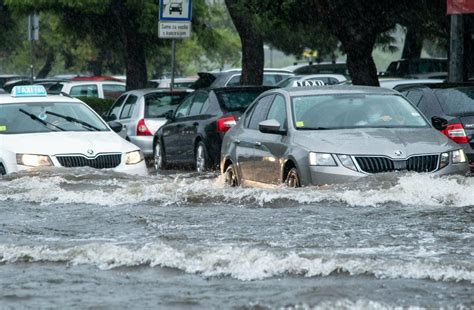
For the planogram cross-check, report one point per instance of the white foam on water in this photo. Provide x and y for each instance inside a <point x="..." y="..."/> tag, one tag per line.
<point x="409" y="190"/>
<point x="241" y="263"/>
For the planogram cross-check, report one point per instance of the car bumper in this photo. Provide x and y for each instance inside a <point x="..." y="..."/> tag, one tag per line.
<point x="145" y="143"/>
<point x="339" y="174"/>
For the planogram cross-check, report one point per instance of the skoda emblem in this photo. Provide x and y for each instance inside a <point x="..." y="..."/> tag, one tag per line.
<point x="90" y="152"/>
<point x="398" y="153"/>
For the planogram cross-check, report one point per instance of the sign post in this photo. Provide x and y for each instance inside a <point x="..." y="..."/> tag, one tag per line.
<point x="33" y="35"/>
<point x="175" y="23"/>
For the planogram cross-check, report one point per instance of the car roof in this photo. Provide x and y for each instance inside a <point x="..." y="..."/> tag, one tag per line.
<point x="146" y="91"/>
<point x="7" y="99"/>
<point x="94" y="82"/>
<point x="336" y="89"/>
<point x="438" y="86"/>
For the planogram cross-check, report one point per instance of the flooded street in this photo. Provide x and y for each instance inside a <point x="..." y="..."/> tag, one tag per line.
<point x="96" y="239"/>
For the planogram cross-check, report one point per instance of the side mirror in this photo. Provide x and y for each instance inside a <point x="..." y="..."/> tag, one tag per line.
<point x="439" y="123"/>
<point x="116" y="126"/>
<point x="271" y="126"/>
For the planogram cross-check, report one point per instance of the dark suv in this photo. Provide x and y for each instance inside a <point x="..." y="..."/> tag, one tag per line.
<point x="194" y="132"/>
<point x="453" y="102"/>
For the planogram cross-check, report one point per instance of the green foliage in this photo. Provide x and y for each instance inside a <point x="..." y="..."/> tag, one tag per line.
<point x="99" y="105"/>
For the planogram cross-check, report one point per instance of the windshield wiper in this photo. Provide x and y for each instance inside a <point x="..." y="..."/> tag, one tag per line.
<point x="43" y="122"/>
<point x="74" y="120"/>
<point x="314" y="128"/>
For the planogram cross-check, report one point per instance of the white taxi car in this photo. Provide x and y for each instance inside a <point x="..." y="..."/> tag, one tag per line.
<point x="37" y="130"/>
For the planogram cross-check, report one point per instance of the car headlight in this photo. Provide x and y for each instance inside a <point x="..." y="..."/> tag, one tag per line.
<point x="32" y="160"/>
<point x="459" y="156"/>
<point x="132" y="158"/>
<point x="321" y="159"/>
<point x="347" y="162"/>
<point x="443" y="160"/>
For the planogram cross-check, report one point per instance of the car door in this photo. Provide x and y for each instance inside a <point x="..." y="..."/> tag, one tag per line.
<point x="246" y="143"/>
<point x="191" y="125"/>
<point x="125" y="117"/>
<point x="172" y="131"/>
<point x="271" y="148"/>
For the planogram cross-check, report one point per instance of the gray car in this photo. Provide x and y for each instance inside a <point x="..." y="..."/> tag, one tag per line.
<point x="142" y="112"/>
<point x="334" y="134"/>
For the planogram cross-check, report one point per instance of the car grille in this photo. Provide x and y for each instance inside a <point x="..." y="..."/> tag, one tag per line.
<point x="425" y="163"/>
<point x="100" y="162"/>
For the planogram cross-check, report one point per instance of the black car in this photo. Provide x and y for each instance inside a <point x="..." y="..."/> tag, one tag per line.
<point x="194" y="132"/>
<point x="453" y="102"/>
<point x="231" y="77"/>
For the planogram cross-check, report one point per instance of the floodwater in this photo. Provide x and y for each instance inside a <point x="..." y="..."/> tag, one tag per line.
<point x="96" y="239"/>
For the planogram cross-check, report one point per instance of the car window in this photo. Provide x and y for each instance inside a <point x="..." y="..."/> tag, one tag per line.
<point x="112" y="91"/>
<point x="157" y="104"/>
<point x="414" y="96"/>
<point x="237" y="100"/>
<point x="278" y="111"/>
<point x="115" y="110"/>
<point x="234" y="81"/>
<point x="456" y="101"/>
<point x="88" y="90"/>
<point x="129" y="107"/>
<point x="183" y="108"/>
<point x="199" y="101"/>
<point x="260" y="112"/>
<point x="317" y="112"/>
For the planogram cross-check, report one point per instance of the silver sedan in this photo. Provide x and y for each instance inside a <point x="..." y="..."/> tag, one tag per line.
<point x="325" y="135"/>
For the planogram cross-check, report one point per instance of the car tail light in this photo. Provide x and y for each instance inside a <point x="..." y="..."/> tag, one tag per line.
<point x="225" y="123"/>
<point x="456" y="133"/>
<point x="142" y="129"/>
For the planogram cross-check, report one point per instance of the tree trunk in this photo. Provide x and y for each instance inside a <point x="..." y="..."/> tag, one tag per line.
<point x="135" y="58"/>
<point x="359" y="62"/>
<point x="48" y="65"/>
<point x="253" y="57"/>
<point x="413" y="43"/>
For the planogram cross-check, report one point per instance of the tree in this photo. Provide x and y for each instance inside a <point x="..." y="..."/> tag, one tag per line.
<point x="253" y="59"/>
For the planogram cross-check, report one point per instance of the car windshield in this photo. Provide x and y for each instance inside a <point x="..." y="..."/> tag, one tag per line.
<point x="354" y="111"/>
<point x="157" y="104"/>
<point x="21" y="118"/>
<point x="238" y="100"/>
<point x="456" y="101"/>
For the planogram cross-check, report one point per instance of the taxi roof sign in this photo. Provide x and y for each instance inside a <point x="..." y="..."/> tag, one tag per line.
<point x="29" y="91"/>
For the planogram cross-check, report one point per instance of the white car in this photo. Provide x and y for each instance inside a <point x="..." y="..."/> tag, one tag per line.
<point x="99" y="89"/>
<point x="37" y="130"/>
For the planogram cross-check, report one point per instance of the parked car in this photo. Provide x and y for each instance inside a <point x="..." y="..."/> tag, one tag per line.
<point x="338" y="67"/>
<point x="396" y="83"/>
<point x="455" y="103"/>
<point x="142" y="113"/>
<point x="417" y="66"/>
<point x="327" y="79"/>
<point x="193" y="135"/>
<point x="8" y="77"/>
<point x="231" y="77"/>
<point x="334" y="134"/>
<point x="178" y="83"/>
<point x="99" y="89"/>
<point x="39" y="130"/>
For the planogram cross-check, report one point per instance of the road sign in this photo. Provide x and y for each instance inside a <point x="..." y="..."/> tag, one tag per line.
<point x="33" y="27"/>
<point x="174" y="30"/>
<point x="175" y="10"/>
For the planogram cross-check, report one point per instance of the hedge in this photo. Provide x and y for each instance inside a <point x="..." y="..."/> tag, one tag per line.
<point x="97" y="104"/>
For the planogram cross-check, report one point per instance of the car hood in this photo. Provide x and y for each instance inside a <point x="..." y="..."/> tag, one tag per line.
<point x="376" y="141"/>
<point x="54" y="143"/>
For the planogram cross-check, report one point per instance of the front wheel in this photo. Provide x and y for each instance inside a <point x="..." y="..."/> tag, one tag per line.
<point x="293" y="179"/>
<point x="201" y="158"/>
<point x="2" y="170"/>
<point x="231" y="176"/>
<point x="159" y="157"/>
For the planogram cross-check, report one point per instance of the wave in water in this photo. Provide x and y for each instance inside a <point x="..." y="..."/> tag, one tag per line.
<point x="238" y="262"/>
<point x="108" y="189"/>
